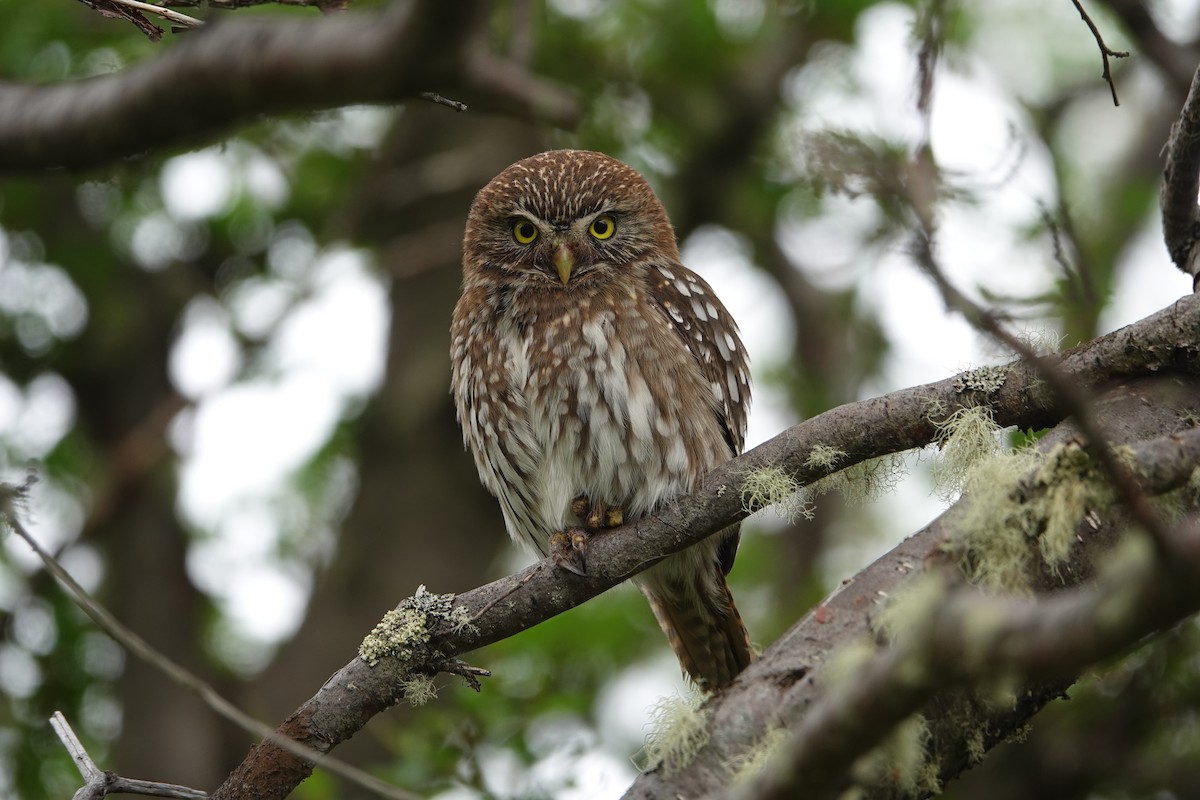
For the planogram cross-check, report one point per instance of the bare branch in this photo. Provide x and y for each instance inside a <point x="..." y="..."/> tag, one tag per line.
<point x="1105" y="51"/>
<point x="165" y="13"/>
<point x="98" y="784"/>
<point x="1181" y="179"/>
<point x="11" y="496"/>
<point x="228" y="74"/>
<point x="436" y="98"/>
<point x="1175" y="60"/>
<point x="116" y="10"/>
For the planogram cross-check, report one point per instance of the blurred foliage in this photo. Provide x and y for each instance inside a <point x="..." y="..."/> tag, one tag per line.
<point x="789" y="122"/>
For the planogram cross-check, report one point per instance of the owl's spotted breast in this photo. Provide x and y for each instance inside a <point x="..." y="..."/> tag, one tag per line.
<point x="598" y="399"/>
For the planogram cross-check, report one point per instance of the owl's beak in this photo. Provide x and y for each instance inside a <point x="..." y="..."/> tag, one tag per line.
<point x="564" y="262"/>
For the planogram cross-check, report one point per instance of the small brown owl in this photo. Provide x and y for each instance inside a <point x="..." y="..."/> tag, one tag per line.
<point x="596" y="377"/>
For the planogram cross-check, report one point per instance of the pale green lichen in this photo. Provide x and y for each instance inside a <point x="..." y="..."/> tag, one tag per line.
<point x="1023" y="511"/>
<point x="986" y="380"/>
<point x="1072" y="484"/>
<point x="680" y="727"/>
<point x="824" y="456"/>
<point x="846" y="663"/>
<point x="407" y="626"/>
<point x="911" y="607"/>
<point x="975" y="742"/>
<point x="861" y="483"/>
<point x="395" y="635"/>
<point x="773" y="487"/>
<point x="750" y="764"/>
<point x="901" y="761"/>
<point x="966" y="438"/>
<point x="419" y="689"/>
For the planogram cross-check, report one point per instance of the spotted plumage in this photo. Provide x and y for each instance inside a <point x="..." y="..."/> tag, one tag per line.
<point x="589" y="362"/>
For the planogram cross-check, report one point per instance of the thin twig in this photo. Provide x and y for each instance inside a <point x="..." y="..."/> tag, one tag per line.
<point x="1068" y="394"/>
<point x="1105" y="51"/>
<point x="920" y="192"/>
<point x="434" y="97"/>
<point x="79" y="754"/>
<point x="11" y="496"/>
<point x="165" y="13"/>
<point x="98" y="783"/>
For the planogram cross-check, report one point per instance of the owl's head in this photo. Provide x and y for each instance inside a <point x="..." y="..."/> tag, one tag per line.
<point x="565" y="218"/>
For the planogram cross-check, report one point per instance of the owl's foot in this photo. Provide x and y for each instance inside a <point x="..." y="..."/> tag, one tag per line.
<point x="596" y="516"/>
<point x="568" y="549"/>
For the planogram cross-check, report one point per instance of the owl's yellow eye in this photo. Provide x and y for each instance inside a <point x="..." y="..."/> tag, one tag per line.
<point x="602" y="227"/>
<point x="524" y="231"/>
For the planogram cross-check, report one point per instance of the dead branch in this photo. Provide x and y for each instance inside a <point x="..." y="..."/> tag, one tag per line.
<point x="1105" y="51"/>
<point x="99" y="783"/>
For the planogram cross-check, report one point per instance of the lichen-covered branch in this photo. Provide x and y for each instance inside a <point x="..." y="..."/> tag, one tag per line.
<point x="234" y="72"/>
<point x="1163" y="343"/>
<point x="793" y="688"/>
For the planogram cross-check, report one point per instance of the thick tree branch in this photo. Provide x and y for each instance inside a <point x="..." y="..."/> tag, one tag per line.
<point x="786" y="687"/>
<point x="1164" y="342"/>
<point x="234" y="72"/>
<point x="970" y="638"/>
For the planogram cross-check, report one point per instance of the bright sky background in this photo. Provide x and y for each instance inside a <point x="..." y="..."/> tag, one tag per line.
<point x="241" y="440"/>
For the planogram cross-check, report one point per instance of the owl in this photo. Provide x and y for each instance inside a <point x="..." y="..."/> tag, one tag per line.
<point x="595" y="377"/>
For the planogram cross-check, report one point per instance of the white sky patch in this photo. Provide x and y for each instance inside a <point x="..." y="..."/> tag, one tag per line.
<point x="197" y="185"/>
<point x="45" y="417"/>
<point x="247" y="438"/>
<point x="623" y="704"/>
<point x="205" y="357"/>
<point x="259" y="304"/>
<point x="1147" y="282"/>
<point x="238" y="568"/>
<point x="341" y="332"/>
<point x="264" y="180"/>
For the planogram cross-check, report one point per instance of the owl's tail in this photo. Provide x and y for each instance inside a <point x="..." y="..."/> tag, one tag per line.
<point x="703" y="626"/>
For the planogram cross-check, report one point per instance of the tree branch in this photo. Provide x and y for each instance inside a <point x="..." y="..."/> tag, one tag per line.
<point x="787" y="687"/>
<point x="232" y="73"/>
<point x="899" y="421"/>
<point x="1181" y="179"/>
<point x="1105" y="51"/>
<point x="971" y="638"/>
<point x="99" y="784"/>
<point x="11" y="497"/>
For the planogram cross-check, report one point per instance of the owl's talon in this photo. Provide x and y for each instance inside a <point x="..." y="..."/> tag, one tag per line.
<point x="580" y="506"/>
<point x="568" y="549"/>
<point x="596" y="516"/>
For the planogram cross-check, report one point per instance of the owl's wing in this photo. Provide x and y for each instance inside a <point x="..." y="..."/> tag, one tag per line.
<point x="711" y="335"/>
